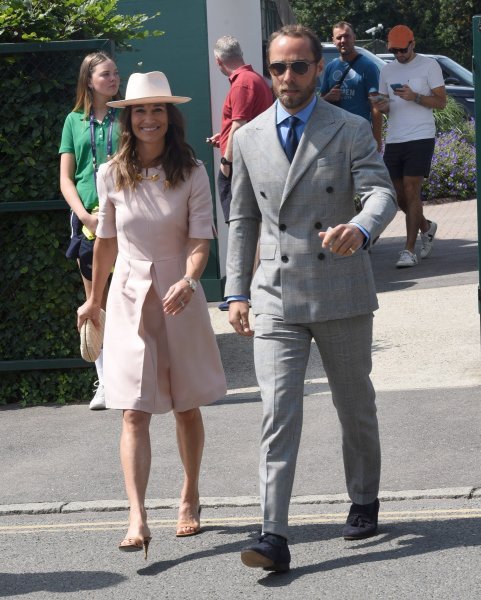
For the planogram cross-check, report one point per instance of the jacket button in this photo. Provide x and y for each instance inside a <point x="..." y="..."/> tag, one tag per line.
<point x="285" y="258"/>
<point x="329" y="189"/>
<point x="282" y="227"/>
<point x="318" y="225"/>
<point x="321" y="256"/>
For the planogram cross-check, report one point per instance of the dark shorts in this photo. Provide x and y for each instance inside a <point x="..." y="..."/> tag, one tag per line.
<point x="225" y="194"/>
<point x="80" y="248"/>
<point x="409" y="158"/>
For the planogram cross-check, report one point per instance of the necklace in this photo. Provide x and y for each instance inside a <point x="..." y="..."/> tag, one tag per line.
<point x="141" y="177"/>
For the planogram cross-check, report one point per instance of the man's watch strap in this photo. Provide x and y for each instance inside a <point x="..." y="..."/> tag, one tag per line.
<point x="418" y="99"/>
<point x="224" y="161"/>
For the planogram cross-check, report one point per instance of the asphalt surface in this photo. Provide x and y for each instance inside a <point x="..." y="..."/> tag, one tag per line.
<point x="63" y="507"/>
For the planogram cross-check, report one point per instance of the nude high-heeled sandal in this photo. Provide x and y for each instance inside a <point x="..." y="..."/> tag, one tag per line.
<point x="136" y="545"/>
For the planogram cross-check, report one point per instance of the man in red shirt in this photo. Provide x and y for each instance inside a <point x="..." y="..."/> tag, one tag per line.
<point x="248" y="96"/>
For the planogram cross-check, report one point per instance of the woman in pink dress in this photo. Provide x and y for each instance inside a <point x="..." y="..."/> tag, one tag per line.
<point x="155" y="223"/>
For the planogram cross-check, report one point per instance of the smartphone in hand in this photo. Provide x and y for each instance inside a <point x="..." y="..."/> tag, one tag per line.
<point x="396" y="86"/>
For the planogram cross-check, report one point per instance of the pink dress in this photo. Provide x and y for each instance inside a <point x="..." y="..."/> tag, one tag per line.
<point x="155" y="362"/>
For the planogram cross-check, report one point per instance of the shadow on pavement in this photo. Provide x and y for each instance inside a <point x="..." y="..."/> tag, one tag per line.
<point x="456" y="258"/>
<point x="394" y="541"/>
<point x="19" y="584"/>
<point x="400" y="540"/>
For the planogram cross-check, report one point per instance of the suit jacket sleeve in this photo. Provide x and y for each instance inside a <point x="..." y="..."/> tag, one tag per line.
<point x="372" y="183"/>
<point x="244" y="222"/>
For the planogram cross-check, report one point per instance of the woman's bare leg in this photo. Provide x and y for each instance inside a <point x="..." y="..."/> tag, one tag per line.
<point x="135" y="456"/>
<point x="190" y="440"/>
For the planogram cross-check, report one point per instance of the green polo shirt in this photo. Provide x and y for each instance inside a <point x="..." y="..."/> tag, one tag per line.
<point x="76" y="141"/>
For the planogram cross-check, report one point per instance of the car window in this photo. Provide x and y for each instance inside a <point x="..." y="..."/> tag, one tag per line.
<point x="454" y="69"/>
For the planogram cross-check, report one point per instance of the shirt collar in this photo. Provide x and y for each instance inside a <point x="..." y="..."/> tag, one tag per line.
<point x="303" y="115"/>
<point x="233" y="75"/>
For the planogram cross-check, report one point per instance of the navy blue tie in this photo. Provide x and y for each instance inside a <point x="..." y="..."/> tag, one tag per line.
<point x="291" y="139"/>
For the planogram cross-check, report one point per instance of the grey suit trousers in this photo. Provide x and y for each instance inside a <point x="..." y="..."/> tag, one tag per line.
<point x="281" y="354"/>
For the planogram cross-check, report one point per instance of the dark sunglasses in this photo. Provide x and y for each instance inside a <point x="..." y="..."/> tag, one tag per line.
<point x="300" y="67"/>
<point x="400" y="50"/>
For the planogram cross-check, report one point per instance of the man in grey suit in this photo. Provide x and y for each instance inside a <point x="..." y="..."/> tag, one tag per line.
<point x="297" y="168"/>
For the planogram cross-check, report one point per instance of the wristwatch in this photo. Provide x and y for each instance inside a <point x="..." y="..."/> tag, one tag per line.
<point x="224" y="161"/>
<point x="191" y="281"/>
<point x="418" y="99"/>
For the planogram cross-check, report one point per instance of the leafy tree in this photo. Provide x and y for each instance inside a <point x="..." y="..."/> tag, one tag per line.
<point x="54" y="20"/>
<point x="454" y="30"/>
<point x="440" y="26"/>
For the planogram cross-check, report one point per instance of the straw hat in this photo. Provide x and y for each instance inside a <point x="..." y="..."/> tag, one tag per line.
<point x="148" y="88"/>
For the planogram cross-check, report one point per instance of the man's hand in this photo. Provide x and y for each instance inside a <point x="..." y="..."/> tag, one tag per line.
<point x="405" y="92"/>
<point x="239" y="317"/>
<point x="226" y="170"/>
<point x="333" y="95"/>
<point x="214" y="140"/>
<point x="343" y="239"/>
<point x="380" y="102"/>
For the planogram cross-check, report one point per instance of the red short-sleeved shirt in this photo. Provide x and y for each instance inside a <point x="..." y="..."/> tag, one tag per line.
<point x="248" y="96"/>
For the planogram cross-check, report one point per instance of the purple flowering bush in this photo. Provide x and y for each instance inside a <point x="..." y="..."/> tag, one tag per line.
<point x="453" y="169"/>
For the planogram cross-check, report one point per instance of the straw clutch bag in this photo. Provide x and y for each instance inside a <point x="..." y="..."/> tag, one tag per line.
<point x="91" y="338"/>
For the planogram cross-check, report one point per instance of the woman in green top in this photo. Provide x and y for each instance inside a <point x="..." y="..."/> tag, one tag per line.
<point x="90" y="136"/>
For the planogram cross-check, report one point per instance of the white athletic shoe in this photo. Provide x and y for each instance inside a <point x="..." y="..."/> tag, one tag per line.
<point x="427" y="239"/>
<point x="406" y="259"/>
<point x="98" y="401"/>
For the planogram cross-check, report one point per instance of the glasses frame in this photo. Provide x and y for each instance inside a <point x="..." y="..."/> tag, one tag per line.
<point x="401" y="50"/>
<point x="289" y="65"/>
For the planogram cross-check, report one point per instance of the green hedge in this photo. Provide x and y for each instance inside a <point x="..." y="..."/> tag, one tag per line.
<point x="39" y="296"/>
<point x="37" y="91"/>
<point x="40" y="288"/>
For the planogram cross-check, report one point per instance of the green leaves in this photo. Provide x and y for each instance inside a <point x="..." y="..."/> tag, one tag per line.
<point x="54" y="20"/>
<point x="39" y="296"/>
<point x="440" y="26"/>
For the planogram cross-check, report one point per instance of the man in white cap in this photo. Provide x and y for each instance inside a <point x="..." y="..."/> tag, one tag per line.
<point x="411" y="87"/>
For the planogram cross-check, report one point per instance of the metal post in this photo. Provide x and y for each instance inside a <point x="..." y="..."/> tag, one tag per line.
<point x="477" y="113"/>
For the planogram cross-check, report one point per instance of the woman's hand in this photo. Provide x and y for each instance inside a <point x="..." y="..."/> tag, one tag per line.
<point x="91" y="221"/>
<point x="88" y="310"/>
<point x="177" y="297"/>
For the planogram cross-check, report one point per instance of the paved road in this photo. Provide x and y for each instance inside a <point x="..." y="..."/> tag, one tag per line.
<point x="425" y="549"/>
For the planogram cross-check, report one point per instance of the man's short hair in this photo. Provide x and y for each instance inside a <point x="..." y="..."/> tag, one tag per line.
<point x="227" y="49"/>
<point x="298" y="31"/>
<point x="343" y="25"/>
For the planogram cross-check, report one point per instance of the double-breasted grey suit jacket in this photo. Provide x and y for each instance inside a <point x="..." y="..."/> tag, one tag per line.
<point x="291" y="203"/>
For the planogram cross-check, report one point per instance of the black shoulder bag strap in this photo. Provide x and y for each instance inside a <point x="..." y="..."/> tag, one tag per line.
<point x="346" y="71"/>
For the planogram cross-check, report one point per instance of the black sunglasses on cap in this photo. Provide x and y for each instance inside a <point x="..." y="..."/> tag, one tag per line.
<point x="400" y="50"/>
<point x="298" y="66"/>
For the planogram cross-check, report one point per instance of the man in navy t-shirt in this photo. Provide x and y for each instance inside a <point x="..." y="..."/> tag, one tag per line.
<point x="360" y="82"/>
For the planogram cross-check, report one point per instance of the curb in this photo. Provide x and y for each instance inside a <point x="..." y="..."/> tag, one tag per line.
<point x="43" y="508"/>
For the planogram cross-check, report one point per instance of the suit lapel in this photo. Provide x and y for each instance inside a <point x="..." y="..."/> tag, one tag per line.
<point x="269" y="140"/>
<point x="320" y="129"/>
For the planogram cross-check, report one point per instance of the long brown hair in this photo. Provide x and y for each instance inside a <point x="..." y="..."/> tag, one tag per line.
<point x="178" y="158"/>
<point x="84" y="93"/>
